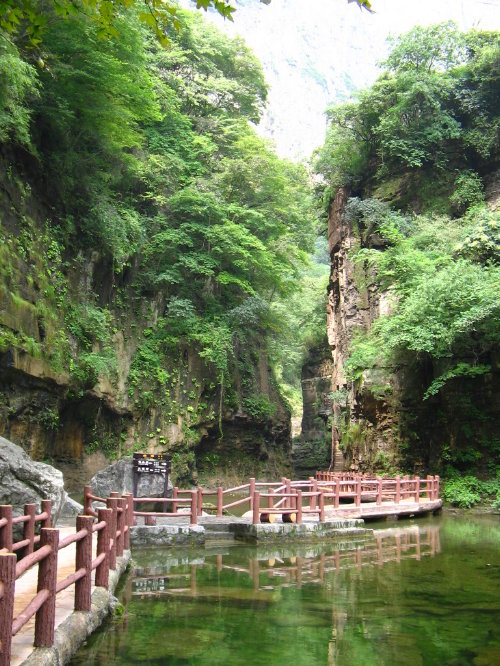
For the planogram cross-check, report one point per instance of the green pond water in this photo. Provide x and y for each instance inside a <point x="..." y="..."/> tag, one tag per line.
<point x="417" y="592"/>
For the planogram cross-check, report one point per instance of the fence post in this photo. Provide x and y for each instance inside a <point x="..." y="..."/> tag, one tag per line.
<point x="175" y="495"/>
<point x="7" y="589"/>
<point x="321" y="508"/>
<point x="120" y="526"/>
<point x="358" y="491"/>
<point x="299" y="507"/>
<point x="379" y="490"/>
<point x="270" y="499"/>
<point x="437" y="486"/>
<point x="251" y="491"/>
<point x="6" y="530"/>
<point x="417" y="489"/>
<point x="200" y="501"/>
<point x="129" y="520"/>
<point x="397" y="499"/>
<point x="29" y="529"/>
<point x="112" y="503"/>
<point x="220" y="501"/>
<point x="255" y="509"/>
<point x="87" y="502"/>
<point x="288" y="501"/>
<point x="46" y="508"/>
<point x="84" y="561"/>
<point x="126" y="517"/>
<point x="314" y="489"/>
<point x="337" y="493"/>
<point x="103" y="536"/>
<point x="194" y="507"/>
<point x="47" y="580"/>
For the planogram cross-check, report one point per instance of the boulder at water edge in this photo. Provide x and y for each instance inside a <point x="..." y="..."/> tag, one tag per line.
<point x="118" y="477"/>
<point x="24" y="481"/>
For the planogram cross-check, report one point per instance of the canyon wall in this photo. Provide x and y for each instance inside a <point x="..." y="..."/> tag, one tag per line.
<point x="83" y="383"/>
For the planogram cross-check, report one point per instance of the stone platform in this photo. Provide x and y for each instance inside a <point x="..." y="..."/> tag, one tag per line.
<point x="347" y="519"/>
<point x="173" y="532"/>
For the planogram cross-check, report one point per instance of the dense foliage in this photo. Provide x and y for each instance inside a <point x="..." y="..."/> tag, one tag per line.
<point x="28" y="19"/>
<point x="149" y="161"/>
<point x="427" y="128"/>
<point x="424" y="138"/>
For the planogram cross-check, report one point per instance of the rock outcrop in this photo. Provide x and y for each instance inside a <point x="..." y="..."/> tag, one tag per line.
<point x="24" y="481"/>
<point x="364" y="417"/>
<point x="312" y="450"/>
<point x="119" y="477"/>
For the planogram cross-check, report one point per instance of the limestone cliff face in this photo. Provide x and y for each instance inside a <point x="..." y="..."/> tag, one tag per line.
<point x="48" y="409"/>
<point x="380" y="419"/>
<point x="364" y="420"/>
<point x="312" y="450"/>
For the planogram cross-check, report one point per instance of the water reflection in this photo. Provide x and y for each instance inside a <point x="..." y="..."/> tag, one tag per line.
<point x="272" y="567"/>
<point x="425" y="593"/>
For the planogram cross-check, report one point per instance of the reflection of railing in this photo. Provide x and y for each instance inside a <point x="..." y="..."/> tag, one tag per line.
<point x="291" y="500"/>
<point x="391" y="545"/>
<point x="112" y="528"/>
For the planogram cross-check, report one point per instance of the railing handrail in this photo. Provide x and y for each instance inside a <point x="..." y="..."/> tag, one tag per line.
<point x="332" y="485"/>
<point x="42" y="604"/>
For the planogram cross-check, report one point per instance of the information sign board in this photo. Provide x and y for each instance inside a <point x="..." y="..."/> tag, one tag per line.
<point x="151" y="463"/>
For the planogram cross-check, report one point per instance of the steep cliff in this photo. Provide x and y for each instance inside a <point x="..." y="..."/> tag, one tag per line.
<point x="312" y="449"/>
<point x="405" y="413"/>
<point x="147" y="234"/>
<point x="410" y="181"/>
<point x="365" y="417"/>
<point x="79" y="379"/>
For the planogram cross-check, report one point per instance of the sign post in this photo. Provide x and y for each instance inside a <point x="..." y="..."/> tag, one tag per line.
<point x="151" y="463"/>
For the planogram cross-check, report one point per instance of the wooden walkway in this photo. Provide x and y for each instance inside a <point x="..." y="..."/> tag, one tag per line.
<point x="58" y="570"/>
<point x="26" y="588"/>
<point x="54" y="574"/>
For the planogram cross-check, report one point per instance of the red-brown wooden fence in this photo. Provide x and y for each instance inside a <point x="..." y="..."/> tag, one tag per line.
<point x="112" y="528"/>
<point x="291" y="499"/>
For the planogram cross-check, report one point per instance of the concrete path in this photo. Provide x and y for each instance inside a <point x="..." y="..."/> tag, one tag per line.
<point x="22" y="643"/>
<point x="373" y="511"/>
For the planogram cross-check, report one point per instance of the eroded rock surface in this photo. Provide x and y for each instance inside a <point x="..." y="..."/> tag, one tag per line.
<point x="24" y="481"/>
<point x="118" y="477"/>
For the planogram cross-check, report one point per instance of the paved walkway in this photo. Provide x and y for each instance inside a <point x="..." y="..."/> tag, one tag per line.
<point x="372" y="510"/>
<point x="368" y="510"/>
<point x="22" y="643"/>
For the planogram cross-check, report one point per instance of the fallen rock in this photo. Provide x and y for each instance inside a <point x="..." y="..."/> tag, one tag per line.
<point x="118" y="477"/>
<point x="71" y="508"/>
<point x="24" y="481"/>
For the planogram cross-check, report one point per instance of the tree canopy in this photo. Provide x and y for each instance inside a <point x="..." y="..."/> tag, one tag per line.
<point x="414" y="151"/>
<point x="149" y="157"/>
<point x="30" y="18"/>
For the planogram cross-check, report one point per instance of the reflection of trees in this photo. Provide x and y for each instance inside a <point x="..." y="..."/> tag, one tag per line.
<point x="296" y="566"/>
<point x="368" y="599"/>
<point x="259" y="574"/>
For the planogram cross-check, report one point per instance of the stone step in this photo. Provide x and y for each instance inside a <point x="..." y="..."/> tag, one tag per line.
<point x="339" y="460"/>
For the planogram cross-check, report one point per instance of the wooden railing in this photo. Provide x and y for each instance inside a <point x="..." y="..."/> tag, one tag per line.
<point x="291" y="499"/>
<point x="113" y="537"/>
<point x="363" y="487"/>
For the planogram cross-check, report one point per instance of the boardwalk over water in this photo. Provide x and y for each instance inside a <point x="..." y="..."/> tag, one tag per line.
<point x="36" y="599"/>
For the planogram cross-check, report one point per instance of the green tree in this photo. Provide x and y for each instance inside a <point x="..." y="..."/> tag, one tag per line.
<point x="30" y="18"/>
<point x="432" y="109"/>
